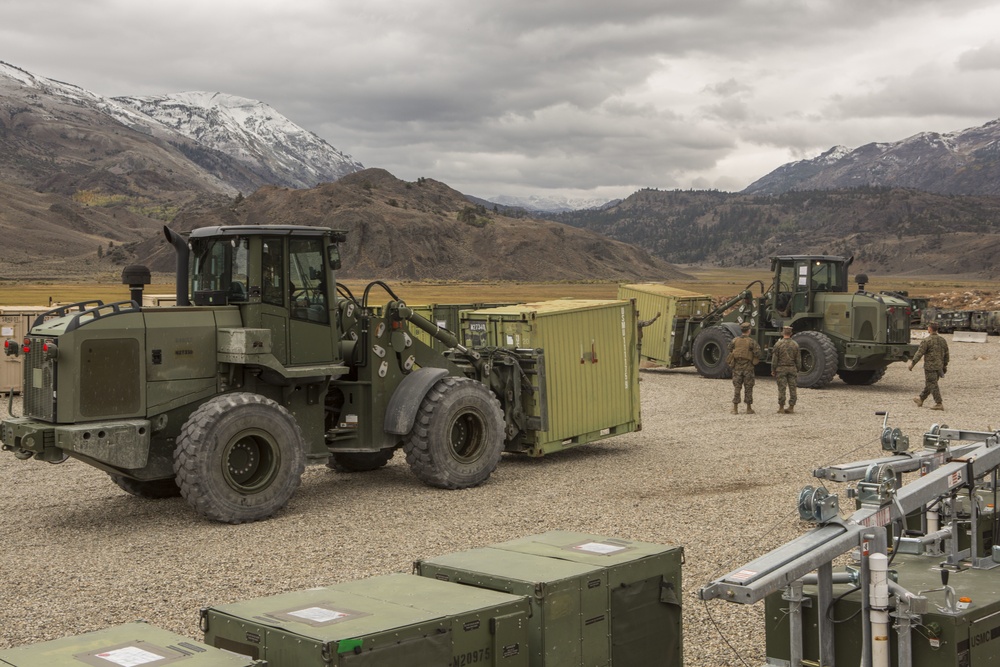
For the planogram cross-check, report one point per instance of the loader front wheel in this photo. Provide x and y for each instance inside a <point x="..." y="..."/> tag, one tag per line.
<point x="458" y="435"/>
<point x="239" y="458"/>
<point x="710" y="349"/>
<point x="862" y="377"/>
<point x="153" y="489"/>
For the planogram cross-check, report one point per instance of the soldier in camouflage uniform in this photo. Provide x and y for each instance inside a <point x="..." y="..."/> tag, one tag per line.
<point x="786" y="361"/>
<point x="744" y="354"/>
<point x="934" y="351"/>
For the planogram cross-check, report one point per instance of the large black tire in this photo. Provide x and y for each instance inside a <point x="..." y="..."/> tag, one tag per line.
<point x="153" y="489"/>
<point x="239" y="458"/>
<point x="862" y="377"/>
<point x="819" y="359"/>
<point x="710" y="349"/>
<point x="458" y="435"/>
<point x="360" y="461"/>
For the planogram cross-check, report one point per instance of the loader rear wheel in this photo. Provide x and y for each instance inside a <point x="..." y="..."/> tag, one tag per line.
<point x="360" y="461"/>
<point x="458" y="435"/>
<point x="239" y="458"/>
<point x="819" y="359"/>
<point x="153" y="489"/>
<point x="862" y="377"/>
<point x="710" y="349"/>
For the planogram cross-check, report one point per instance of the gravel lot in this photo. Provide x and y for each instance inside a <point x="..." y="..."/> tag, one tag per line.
<point x="78" y="554"/>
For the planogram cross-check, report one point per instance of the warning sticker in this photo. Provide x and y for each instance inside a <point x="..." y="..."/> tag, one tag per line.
<point x="129" y="656"/>
<point x="318" y="614"/>
<point x="744" y="575"/>
<point x="599" y="548"/>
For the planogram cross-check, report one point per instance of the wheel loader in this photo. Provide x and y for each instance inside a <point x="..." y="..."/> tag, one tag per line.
<point x="266" y="364"/>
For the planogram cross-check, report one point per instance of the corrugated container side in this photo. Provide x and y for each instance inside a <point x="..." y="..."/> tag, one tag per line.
<point x="675" y="306"/>
<point x="591" y="367"/>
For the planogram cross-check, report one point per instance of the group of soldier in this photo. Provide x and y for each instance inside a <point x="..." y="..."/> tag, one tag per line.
<point x="786" y="362"/>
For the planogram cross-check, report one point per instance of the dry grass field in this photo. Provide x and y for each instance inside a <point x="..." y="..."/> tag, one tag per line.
<point x="710" y="280"/>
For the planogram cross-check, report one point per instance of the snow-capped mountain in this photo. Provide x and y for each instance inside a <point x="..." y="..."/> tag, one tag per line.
<point x="266" y="142"/>
<point x="239" y="143"/>
<point x="957" y="163"/>
<point x="539" y="204"/>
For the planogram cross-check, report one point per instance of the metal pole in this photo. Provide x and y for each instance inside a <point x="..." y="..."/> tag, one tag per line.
<point x="793" y="593"/>
<point x="824" y="598"/>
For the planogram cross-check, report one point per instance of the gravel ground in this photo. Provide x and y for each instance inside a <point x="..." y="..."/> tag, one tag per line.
<point x="79" y="554"/>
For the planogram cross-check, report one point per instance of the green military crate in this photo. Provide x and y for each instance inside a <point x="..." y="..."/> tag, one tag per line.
<point x="680" y="310"/>
<point x="445" y="316"/>
<point x="600" y="600"/>
<point x="131" y="645"/>
<point x="968" y="636"/>
<point x="587" y="387"/>
<point x="395" y="620"/>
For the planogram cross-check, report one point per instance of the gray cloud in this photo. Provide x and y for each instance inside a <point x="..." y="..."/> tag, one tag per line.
<point x="520" y="96"/>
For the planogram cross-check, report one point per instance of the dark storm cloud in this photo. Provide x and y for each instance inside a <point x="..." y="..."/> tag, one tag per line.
<point x="516" y="96"/>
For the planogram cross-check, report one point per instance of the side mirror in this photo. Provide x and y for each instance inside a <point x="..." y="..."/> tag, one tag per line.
<point x="333" y="257"/>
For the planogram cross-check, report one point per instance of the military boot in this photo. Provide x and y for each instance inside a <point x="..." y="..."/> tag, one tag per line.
<point x="919" y="401"/>
<point x="750" y="410"/>
<point x="781" y="409"/>
<point x="938" y="406"/>
<point x="790" y="410"/>
<point x="735" y="409"/>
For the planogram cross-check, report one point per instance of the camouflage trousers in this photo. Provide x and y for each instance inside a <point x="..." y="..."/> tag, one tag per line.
<point x="743" y="379"/>
<point x="931" y="385"/>
<point x="787" y="378"/>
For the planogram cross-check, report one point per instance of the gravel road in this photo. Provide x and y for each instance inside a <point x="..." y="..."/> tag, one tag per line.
<point x="79" y="554"/>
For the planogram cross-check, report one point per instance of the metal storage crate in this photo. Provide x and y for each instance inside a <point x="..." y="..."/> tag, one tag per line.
<point x="600" y="600"/>
<point x="131" y="645"/>
<point x="677" y="308"/>
<point x="399" y="620"/>
<point x="15" y="323"/>
<point x="446" y="316"/>
<point x="965" y="637"/>
<point x="588" y="388"/>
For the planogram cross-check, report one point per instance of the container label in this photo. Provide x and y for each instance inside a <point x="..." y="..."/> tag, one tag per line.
<point x="130" y="656"/>
<point x="599" y="548"/>
<point x="318" y="614"/>
<point x="7" y="331"/>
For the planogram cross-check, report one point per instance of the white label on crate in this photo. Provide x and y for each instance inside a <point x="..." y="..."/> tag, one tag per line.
<point x="318" y="614"/>
<point x="599" y="548"/>
<point x="510" y="340"/>
<point x="130" y="656"/>
<point x="7" y="331"/>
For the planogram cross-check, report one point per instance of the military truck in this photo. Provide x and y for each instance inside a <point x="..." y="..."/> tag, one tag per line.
<point x="854" y="335"/>
<point x="266" y="363"/>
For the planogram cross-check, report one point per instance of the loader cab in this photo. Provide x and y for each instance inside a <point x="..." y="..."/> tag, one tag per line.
<point x="281" y="277"/>
<point x="798" y="278"/>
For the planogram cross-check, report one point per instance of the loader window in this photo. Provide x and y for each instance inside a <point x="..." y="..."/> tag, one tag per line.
<point x="218" y="271"/>
<point x="309" y="298"/>
<point x="273" y="269"/>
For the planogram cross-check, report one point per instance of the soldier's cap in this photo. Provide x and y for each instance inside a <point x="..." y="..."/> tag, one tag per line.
<point x="745" y="326"/>
<point x="787" y="330"/>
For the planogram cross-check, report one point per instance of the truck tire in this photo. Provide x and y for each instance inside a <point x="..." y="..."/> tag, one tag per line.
<point x="710" y="349"/>
<point x="154" y="489"/>
<point x="862" y="377"/>
<point x="239" y="458"/>
<point x="458" y="435"/>
<point x="360" y="461"/>
<point x="819" y="359"/>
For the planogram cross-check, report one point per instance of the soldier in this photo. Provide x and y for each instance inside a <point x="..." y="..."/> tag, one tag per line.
<point x="744" y="354"/>
<point x="786" y="361"/>
<point x="934" y="351"/>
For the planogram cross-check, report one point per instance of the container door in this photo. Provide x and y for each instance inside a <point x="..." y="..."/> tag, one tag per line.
<point x="645" y="625"/>
<point x="510" y="647"/>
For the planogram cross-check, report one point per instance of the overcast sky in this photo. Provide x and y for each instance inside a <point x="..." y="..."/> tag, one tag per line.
<point x="578" y="98"/>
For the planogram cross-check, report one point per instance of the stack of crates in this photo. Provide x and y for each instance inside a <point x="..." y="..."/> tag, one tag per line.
<point x="587" y="387"/>
<point x="680" y="310"/>
<point x="131" y="645"/>
<point x="598" y="601"/>
<point x="398" y="620"/>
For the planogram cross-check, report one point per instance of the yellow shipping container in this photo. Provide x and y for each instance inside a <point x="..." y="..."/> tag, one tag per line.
<point x="678" y="309"/>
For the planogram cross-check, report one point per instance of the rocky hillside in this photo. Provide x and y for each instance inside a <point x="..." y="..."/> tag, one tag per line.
<point x="956" y="163"/>
<point x="887" y="230"/>
<point x="425" y="230"/>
